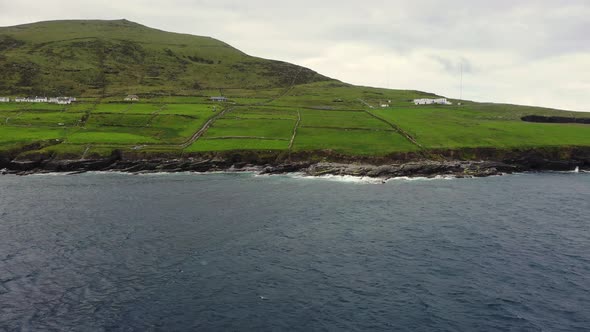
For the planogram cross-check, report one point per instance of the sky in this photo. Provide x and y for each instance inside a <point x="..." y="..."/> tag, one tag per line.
<point x="518" y="51"/>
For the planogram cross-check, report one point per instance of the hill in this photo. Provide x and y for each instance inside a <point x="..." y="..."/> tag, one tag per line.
<point x="275" y="112"/>
<point x="102" y="58"/>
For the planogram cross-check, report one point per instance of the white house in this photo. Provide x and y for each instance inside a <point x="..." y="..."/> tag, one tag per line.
<point x="132" y="98"/>
<point x="219" y="99"/>
<point x="427" y="101"/>
<point x="4" y="99"/>
<point x="40" y="100"/>
<point x="63" y="100"/>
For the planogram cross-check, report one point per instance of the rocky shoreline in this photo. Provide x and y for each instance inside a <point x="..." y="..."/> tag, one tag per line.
<point x="418" y="168"/>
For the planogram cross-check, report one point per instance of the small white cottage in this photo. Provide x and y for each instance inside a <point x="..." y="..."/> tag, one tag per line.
<point x="64" y="100"/>
<point x="132" y="98"/>
<point x="428" y="101"/>
<point x="4" y="99"/>
<point x="219" y="99"/>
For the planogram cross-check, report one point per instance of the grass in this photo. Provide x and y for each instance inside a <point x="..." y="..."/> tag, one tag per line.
<point x="352" y="142"/>
<point x="200" y="110"/>
<point x="277" y="129"/>
<point x="457" y="127"/>
<point x="102" y="137"/>
<point x="41" y="119"/>
<point x="110" y="59"/>
<point x="161" y="128"/>
<point x="341" y="119"/>
<point x="101" y="62"/>
<point x="206" y="145"/>
<point x="10" y="134"/>
<point x="118" y="120"/>
<point x="113" y="108"/>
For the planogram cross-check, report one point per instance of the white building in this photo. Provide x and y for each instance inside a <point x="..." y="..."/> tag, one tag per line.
<point x="4" y="99"/>
<point x="219" y="99"/>
<point x="53" y="100"/>
<point x="132" y="98"/>
<point x="427" y="101"/>
<point x="63" y="100"/>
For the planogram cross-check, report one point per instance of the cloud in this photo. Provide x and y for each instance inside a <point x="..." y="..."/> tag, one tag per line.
<point x="527" y="51"/>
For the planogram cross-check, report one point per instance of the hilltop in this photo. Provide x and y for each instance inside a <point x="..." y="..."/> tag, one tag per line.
<point x="274" y="115"/>
<point x="104" y="58"/>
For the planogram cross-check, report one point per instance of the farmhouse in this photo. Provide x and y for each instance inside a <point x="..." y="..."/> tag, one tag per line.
<point x="427" y="101"/>
<point x="39" y="99"/>
<point x="51" y="100"/>
<point x="218" y="99"/>
<point x="63" y="100"/>
<point x="4" y="99"/>
<point x="132" y="98"/>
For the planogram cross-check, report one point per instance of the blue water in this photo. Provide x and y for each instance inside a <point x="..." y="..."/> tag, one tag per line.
<point x="115" y="252"/>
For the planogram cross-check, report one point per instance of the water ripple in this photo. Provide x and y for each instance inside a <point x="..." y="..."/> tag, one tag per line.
<point x="114" y="252"/>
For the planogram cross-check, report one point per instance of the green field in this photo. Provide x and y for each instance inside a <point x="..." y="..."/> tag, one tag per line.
<point x="272" y="105"/>
<point x="490" y="126"/>
<point x="153" y="126"/>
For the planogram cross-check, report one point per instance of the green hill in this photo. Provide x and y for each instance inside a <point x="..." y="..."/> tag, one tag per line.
<point x="275" y="110"/>
<point x="102" y="58"/>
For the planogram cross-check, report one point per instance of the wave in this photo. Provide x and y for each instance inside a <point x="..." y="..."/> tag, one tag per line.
<point x="337" y="178"/>
<point x="365" y="179"/>
<point x="423" y="178"/>
<point x="52" y="174"/>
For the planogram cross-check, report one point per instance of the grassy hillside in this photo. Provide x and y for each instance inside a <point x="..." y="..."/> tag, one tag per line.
<point x="106" y="58"/>
<point x="273" y="106"/>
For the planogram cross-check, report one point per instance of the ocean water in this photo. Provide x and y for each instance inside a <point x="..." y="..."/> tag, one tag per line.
<point x="224" y="252"/>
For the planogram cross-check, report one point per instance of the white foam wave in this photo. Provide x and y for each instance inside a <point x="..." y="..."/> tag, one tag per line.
<point x="338" y="178"/>
<point x="52" y="174"/>
<point x="421" y="178"/>
<point x="357" y="179"/>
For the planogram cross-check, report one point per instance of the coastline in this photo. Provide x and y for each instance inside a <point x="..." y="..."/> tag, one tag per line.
<point x="382" y="168"/>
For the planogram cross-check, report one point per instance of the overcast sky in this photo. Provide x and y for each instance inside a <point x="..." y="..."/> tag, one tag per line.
<point x="518" y="51"/>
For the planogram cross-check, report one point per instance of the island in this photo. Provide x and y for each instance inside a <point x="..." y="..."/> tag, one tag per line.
<point x="91" y="95"/>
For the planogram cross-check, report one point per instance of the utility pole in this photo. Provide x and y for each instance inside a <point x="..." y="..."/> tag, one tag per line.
<point x="461" y="89"/>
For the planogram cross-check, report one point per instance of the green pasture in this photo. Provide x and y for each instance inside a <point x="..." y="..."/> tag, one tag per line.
<point x="276" y="129"/>
<point x="177" y="128"/>
<point x="456" y="127"/>
<point x="263" y="113"/>
<point x="40" y="119"/>
<point x="341" y="119"/>
<point x="353" y="142"/>
<point x="9" y="134"/>
<point x="212" y="144"/>
<point x="11" y="106"/>
<point x="155" y="127"/>
<point x="199" y="110"/>
<point x="113" y="108"/>
<point x="121" y="136"/>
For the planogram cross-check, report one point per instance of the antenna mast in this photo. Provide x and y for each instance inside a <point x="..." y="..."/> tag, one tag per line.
<point x="461" y="93"/>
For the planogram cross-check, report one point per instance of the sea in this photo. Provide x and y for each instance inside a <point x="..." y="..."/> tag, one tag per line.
<point x="242" y="252"/>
